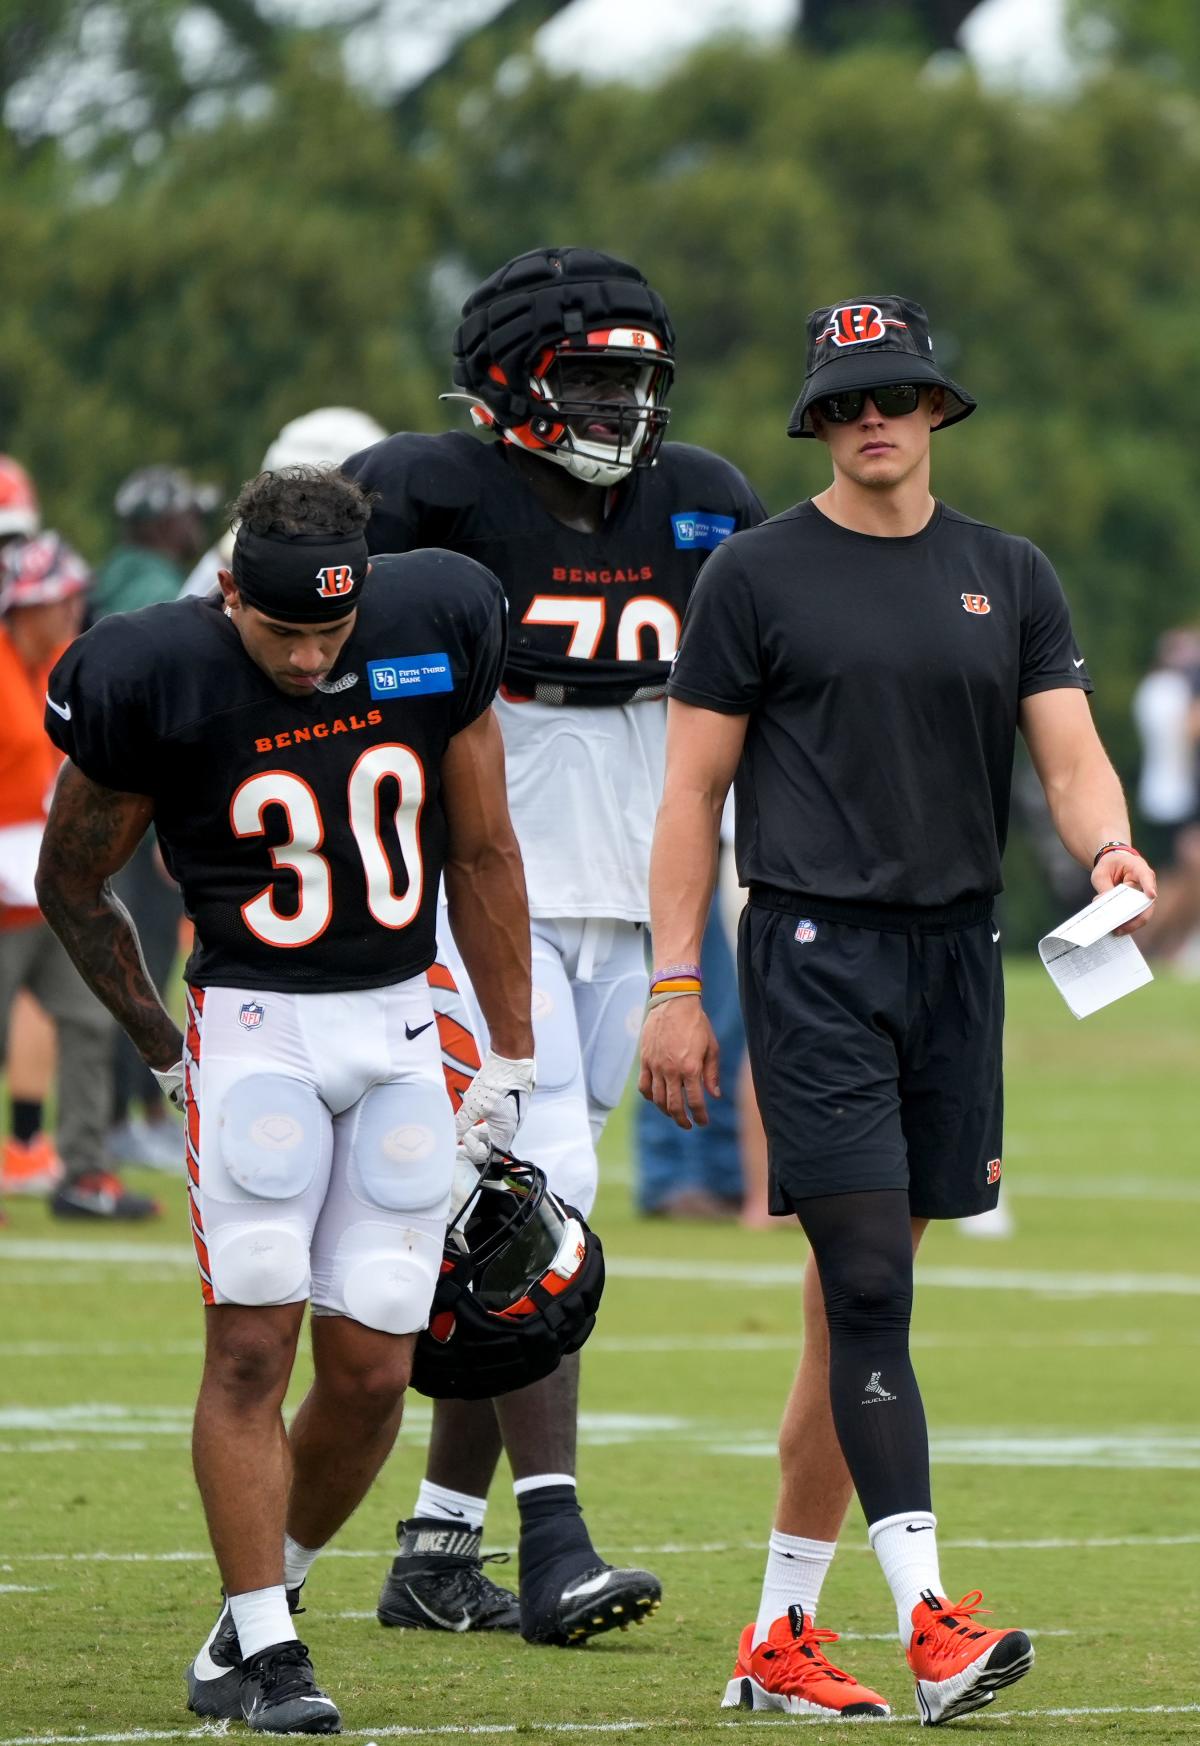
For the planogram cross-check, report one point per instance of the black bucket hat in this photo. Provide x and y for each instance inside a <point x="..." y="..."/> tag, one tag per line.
<point x="865" y="343"/>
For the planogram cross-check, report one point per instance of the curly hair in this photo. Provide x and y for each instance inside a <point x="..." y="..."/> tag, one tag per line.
<point x="302" y="500"/>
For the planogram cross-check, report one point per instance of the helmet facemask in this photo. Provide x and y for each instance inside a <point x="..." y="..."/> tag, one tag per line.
<point x="635" y="413"/>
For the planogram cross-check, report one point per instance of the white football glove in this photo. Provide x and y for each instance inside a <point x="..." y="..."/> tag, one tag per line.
<point x="493" y="1107"/>
<point x="170" y="1081"/>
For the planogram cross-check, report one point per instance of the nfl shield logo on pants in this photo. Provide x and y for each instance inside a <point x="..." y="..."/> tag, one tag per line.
<point x="806" y="931"/>
<point x="251" y="1015"/>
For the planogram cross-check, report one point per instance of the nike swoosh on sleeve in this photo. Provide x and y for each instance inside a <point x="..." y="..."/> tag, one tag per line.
<point x="1079" y="662"/>
<point x="63" y="709"/>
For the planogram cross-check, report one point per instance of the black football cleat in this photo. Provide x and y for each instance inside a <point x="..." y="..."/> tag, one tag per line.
<point x="214" y="1678"/>
<point x="582" y="1606"/>
<point x="437" y="1582"/>
<point x="280" y="1695"/>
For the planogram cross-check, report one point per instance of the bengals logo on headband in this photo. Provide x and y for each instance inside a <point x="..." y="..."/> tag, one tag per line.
<point x="334" y="580"/>
<point x="857" y="324"/>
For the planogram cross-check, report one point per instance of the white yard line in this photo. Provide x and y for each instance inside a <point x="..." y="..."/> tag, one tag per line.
<point x="677" y="1272"/>
<point x="471" y="1730"/>
<point x="669" y="1549"/>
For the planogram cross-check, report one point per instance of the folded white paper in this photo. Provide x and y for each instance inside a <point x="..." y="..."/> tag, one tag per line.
<point x="1087" y="965"/>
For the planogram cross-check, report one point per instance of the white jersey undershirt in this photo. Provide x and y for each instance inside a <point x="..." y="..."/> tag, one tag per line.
<point x="583" y="788"/>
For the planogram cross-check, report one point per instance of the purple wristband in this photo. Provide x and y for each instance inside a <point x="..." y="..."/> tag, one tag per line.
<point x="670" y="971"/>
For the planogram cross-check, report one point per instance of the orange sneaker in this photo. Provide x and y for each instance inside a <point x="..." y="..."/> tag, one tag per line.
<point x="791" y="1672"/>
<point x="960" y="1667"/>
<point x="30" y="1166"/>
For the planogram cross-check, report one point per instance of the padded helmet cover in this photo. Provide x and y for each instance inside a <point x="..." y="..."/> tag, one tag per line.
<point x="534" y="303"/>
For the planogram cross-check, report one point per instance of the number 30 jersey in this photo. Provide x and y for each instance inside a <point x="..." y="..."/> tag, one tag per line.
<point x="594" y="626"/>
<point x="307" y="833"/>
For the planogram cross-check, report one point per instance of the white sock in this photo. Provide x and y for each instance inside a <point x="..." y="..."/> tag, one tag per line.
<point x="262" y="1618"/>
<point x="537" y="1480"/>
<point x="906" y="1547"/>
<point x="795" y="1571"/>
<point x="298" y="1560"/>
<point x="438" y="1503"/>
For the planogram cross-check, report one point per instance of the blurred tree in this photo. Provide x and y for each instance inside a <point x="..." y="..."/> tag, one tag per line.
<point x="1161" y="36"/>
<point x="922" y="25"/>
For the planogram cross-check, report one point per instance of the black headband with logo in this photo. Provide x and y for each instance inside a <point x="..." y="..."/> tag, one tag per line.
<point x="300" y="578"/>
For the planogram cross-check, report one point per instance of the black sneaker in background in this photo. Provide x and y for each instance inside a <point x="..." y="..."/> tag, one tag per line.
<point x="280" y="1694"/>
<point x="437" y="1583"/>
<point x="568" y="1609"/>
<point x="101" y="1195"/>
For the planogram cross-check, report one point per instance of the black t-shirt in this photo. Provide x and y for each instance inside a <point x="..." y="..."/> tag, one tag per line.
<point x="594" y="616"/>
<point x="881" y="678"/>
<point x="307" y="833"/>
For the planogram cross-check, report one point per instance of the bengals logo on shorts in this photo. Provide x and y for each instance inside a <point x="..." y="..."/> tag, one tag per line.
<point x="857" y="324"/>
<point x="976" y="603"/>
<point x="994" y="1171"/>
<point x="335" y="579"/>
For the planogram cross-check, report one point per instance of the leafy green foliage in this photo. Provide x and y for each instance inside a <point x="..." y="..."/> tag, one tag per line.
<point x="304" y="252"/>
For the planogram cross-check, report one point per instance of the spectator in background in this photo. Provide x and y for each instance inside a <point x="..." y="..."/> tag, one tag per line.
<point x="29" y="1066"/>
<point x="42" y="588"/>
<point x="163" y="516"/>
<point x="316" y="439"/>
<point x="1166" y="712"/>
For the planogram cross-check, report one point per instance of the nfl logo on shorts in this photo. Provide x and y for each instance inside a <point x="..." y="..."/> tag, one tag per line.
<point x="251" y="1015"/>
<point x="806" y="931"/>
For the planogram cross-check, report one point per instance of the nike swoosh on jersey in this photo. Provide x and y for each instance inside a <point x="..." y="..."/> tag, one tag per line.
<point x="463" y="1624"/>
<point x="63" y="709"/>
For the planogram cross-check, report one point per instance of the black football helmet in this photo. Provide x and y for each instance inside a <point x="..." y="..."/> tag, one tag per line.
<point x="521" y="1280"/>
<point x="542" y="310"/>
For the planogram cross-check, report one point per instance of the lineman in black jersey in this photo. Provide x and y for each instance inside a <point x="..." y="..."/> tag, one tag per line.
<point x="315" y="748"/>
<point x="863" y="663"/>
<point x="597" y="529"/>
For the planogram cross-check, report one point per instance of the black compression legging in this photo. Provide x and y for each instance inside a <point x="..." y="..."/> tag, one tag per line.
<point x="862" y="1244"/>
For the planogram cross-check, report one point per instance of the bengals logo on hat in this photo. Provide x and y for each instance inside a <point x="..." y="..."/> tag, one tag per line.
<point x="857" y="324"/>
<point x="334" y="580"/>
<point x="976" y="603"/>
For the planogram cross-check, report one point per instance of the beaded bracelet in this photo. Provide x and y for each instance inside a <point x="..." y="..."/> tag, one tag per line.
<point x="1115" y="848"/>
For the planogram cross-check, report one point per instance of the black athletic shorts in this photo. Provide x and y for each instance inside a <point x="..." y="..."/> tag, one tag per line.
<point x="876" y="1050"/>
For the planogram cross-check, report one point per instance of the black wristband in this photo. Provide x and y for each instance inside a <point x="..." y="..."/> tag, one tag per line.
<point x="1111" y="848"/>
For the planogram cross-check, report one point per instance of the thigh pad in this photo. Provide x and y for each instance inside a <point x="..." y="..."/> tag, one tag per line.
<point x="273" y="1134"/>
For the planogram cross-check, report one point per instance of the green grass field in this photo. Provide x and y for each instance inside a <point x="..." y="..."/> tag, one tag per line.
<point x="1059" y="1369"/>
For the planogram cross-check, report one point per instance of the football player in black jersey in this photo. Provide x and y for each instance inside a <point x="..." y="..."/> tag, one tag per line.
<point x="863" y="662"/>
<point x="597" y="529"/>
<point x="317" y="751"/>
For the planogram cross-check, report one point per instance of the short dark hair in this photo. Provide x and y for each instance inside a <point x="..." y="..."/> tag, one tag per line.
<point x="302" y="500"/>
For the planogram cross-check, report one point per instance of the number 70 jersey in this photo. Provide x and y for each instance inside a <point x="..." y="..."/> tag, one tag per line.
<point x="307" y="833"/>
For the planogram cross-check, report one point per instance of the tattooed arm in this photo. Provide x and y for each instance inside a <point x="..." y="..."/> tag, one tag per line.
<point x="91" y="833"/>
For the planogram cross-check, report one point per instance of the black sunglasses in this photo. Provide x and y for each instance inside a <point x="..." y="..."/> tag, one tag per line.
<point x="893" y="400"/>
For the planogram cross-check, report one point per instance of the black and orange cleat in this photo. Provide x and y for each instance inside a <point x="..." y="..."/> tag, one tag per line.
<point x="959" y="1666"/>
<point x="790" y="1671"/>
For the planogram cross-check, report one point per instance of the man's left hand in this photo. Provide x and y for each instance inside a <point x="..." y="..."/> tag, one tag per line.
<point x="1125" y="867"/>
<point x="493" y="1107"/>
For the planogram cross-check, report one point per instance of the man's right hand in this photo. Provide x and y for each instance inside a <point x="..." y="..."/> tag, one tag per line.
<point x="679" y="1061"/>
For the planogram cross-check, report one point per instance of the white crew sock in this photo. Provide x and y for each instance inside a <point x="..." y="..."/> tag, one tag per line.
<point x="537" y="1480"/>
<point x="795" y="1571"/>
<point x="437" y="1503"/>
<point x="262" y="1618"/>
<point x="906" y="1547"/>
<point x="298" y="1560"/>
